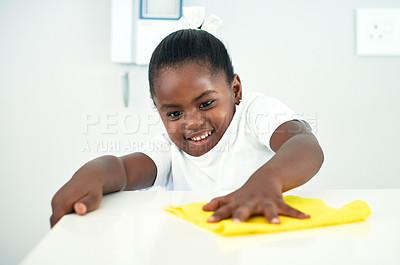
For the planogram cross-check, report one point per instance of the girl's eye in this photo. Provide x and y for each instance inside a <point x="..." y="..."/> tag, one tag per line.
<point x="206" y="104"/>
<point x="174" y="114"/>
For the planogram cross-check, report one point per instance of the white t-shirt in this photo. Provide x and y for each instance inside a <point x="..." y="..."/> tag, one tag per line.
<point x="243" y="149"/>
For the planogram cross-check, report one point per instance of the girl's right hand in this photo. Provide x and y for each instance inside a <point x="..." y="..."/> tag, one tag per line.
<point x="80" y="194"/>
<point x="103" y="175"/>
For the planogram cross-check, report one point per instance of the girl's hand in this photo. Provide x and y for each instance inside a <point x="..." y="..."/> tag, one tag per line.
<point x="103" y="175"/>
<point x="81" y="195"/>
<point x="252" y="199"/>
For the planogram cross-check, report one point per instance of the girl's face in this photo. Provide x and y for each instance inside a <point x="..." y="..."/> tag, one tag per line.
<point x="195" y="106"/>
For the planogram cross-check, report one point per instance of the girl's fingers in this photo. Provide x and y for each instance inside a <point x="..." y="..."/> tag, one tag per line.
<point x="80" y="208"/>
<point x="289" y="211"/>
<point x="242" y="213"/>
<point x="56" y="216"/>
<point x="215" y="204"/>
<point x="226" y="207"/>
<point x="270" y="213"/>
<point x="60" y="208"/>
<point x="224" y="212"/>
<point x="87" y="203"/>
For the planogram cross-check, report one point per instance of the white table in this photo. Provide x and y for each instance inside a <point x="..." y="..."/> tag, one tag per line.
<point x="132" y="228"/>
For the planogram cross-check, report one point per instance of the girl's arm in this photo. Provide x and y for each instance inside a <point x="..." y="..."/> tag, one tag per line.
<point x="297" y="159"/>
<point x="84" y="191"/>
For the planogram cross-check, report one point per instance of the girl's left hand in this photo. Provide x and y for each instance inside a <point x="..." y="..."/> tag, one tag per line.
<point x="252" y="199"/>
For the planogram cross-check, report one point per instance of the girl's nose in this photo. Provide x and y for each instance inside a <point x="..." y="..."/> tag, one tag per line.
<point x="194" y="120"/>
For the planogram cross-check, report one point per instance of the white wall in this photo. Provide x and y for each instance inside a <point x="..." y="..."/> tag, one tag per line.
<point x="55" y="69"/>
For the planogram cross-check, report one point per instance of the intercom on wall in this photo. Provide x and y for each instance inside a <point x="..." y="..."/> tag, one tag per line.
<point x="137" y="26"/>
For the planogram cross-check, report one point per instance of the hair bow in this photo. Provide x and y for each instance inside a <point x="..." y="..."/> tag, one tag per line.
<point x="193" y="18"/>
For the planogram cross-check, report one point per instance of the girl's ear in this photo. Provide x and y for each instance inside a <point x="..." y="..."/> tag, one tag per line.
<point x="237" y="89"/>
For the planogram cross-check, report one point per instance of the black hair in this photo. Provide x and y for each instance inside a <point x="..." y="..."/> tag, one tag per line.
<point x="190" y="45"/>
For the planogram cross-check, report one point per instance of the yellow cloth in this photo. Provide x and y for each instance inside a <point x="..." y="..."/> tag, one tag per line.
<point x="321" y="215"/>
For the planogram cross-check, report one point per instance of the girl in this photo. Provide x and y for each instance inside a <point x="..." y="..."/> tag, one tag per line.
<point x="216" y="140"/>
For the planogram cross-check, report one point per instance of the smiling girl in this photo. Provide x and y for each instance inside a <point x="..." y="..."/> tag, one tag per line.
<point x="217" y="139"/>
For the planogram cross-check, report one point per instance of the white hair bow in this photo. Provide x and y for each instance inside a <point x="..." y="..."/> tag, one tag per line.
<point x="193" y="18"/>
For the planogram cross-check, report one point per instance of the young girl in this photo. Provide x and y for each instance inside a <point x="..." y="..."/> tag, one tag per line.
<point x="217" y="140"/>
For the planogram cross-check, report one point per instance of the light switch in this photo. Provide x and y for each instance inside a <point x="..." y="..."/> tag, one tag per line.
<point x="378" y="31"/>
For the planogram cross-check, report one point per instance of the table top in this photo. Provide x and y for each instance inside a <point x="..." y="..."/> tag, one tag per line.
<point x="133" y="228"/>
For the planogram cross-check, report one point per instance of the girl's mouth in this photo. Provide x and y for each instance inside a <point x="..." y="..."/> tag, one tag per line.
<point x="200" y="138"/>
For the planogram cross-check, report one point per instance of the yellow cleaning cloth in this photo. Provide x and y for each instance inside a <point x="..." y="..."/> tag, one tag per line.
<point x="321" y="215"/>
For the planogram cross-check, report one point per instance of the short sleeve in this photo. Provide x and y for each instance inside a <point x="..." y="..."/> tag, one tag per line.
<point x="159" y="150"/>
<point x="265" y="114"/>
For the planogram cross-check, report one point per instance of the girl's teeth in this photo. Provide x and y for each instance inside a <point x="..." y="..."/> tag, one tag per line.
<point x="201" y="137"/>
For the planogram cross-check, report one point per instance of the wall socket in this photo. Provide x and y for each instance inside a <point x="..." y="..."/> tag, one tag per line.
<point x="378" y="31"/>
